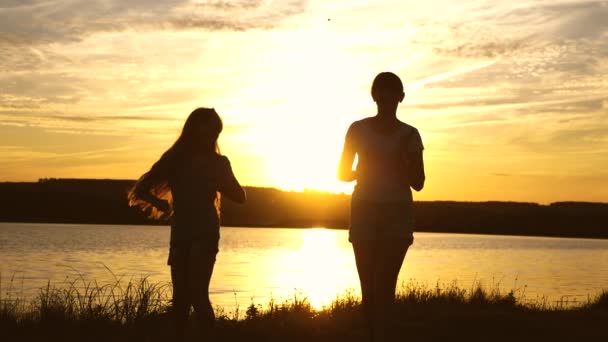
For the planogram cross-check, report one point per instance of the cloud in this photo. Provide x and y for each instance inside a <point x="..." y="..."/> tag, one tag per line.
<point x="501" y="174"/>
<point x="534" y="37"/>
<point x="117" y="125"/>
<point x="21" y="153"/>
<point x="452" y="73"/>
<point x="140" y="125"/>
<point x="488" y="49"/>
<point x="82" y="118"/>
<point x="578" y="20"/>
<point x="42" y="22"/>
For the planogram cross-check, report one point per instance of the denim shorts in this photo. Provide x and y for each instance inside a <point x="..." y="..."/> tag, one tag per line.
<point x="371" y="220"/>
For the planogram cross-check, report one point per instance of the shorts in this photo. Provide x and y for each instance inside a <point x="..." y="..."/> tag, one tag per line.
<point x="381" y="221"/>
<point x="195" y="251"/>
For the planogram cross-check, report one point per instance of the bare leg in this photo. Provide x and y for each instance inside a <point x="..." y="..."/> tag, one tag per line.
<point x="199" y="288"/>
<point x="389" y="258"/>
<point x="365" y="261"/>
<point x="181" y="302"/>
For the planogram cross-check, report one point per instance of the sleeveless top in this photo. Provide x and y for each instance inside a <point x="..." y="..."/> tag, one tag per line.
<point x="382" y="160"/>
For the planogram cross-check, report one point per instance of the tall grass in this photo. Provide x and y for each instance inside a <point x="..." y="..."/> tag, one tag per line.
<point x="137" y="299"/>
<point x="139" y="311"/>
<point x="112" y="302"/>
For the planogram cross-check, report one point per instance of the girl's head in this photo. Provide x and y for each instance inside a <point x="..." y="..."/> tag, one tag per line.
<point x="201" y="131"/>
<point x="199" y="135"/>
<point x="387" y="89"/>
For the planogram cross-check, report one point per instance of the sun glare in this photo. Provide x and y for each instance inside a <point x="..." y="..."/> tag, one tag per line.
<point x="326" y="266"/>
<point x="311" y="101"/>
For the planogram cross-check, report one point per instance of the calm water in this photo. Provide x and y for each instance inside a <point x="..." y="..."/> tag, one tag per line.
<point x="259" y="263"/>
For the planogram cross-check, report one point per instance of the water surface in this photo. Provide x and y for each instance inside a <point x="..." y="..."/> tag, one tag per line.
<point x="259" y="263"/>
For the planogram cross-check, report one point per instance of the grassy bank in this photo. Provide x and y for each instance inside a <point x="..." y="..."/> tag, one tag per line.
<point x="139" y="311"/>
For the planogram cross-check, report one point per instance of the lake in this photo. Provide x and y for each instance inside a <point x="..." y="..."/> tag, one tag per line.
<point x="256" y="264"/>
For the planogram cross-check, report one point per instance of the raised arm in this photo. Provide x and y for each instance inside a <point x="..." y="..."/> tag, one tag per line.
<point x="229" y="186"/>
<point x="345" y="169"/>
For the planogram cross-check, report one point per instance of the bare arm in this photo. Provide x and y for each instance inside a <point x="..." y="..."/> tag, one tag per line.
<point x="416" y="170"/>
<point x="229" y="185"/>
<point x="345" y="169"/>
<point x="143" y="187"/>
<point x="146" y="195"/>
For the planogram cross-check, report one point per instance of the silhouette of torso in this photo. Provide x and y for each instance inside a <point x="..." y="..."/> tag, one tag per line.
<point x="382" y="161"/>
<point x="193" y="187"/>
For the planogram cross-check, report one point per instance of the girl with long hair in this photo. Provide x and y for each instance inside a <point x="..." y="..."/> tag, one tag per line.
<point x="389" y="165"/>
<point x="185" y="184"/>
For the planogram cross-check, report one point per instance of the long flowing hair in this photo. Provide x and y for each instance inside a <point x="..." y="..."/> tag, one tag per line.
<point x="200" y="134"/>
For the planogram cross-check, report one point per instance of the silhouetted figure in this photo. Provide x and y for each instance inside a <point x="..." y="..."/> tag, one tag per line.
<point x="185" y="184"/>
<point x="389" y="164"/>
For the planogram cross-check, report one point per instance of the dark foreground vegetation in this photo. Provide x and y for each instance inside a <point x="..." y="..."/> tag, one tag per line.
<point x="139" y="311"/>
<point x="105" y="202"/>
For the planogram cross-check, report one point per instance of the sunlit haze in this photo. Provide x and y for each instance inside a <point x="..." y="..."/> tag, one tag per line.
<point x="510" y="97"/>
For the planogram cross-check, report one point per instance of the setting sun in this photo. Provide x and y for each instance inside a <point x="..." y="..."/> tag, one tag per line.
<point x="510" y="105"/>
<point x="303" y="170"/>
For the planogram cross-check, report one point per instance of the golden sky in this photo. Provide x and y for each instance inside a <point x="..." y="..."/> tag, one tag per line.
<point x="510" y="97"/>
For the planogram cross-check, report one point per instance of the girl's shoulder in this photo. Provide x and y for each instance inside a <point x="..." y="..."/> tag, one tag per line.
<point x="405" y="128"/>
<point x="408" y="129"/>
<point x="411" y="136"/>
<point x="222" y="162"/>
<point x="363" y="122"/>
<point x="222" y="159"/>
<point x="358" y="125"/>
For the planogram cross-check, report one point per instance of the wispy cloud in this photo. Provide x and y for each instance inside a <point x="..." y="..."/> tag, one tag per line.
<point x="524" y="79"/>
<point x="42" y="21"/>
<point x="449" y="74"/>
<point x="119" y="125"/>
<point x="22" y="154"/>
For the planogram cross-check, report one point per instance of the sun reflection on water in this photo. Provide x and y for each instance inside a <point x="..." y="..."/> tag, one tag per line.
<point x="256" y="265"/>
<point x="324" y="266"/>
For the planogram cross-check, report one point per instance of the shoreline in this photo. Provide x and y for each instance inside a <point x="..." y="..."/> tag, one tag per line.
<point x="104" y="201"/>
<point x="166" y="224"/>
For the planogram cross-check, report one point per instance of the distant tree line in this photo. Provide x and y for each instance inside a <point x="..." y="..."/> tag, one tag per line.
<point x="104" y="201"/>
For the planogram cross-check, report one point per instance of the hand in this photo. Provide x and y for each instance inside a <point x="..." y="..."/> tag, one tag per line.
<point x="163" y="205"/>
<point x="352" y="175"/>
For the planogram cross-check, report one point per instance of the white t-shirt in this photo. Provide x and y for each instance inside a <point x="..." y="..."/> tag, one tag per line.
<point x="382" y="159"/>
